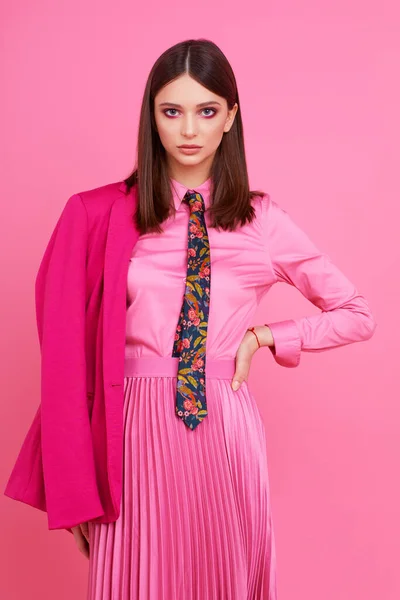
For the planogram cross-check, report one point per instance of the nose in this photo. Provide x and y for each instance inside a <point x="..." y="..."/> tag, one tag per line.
<point x="188" y="126"/>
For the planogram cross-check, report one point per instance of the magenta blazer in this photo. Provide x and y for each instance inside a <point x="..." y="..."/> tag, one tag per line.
<point x="70" y="463"/>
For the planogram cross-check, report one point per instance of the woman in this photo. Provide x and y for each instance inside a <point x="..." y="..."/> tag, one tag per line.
<point x="144" y="447"/>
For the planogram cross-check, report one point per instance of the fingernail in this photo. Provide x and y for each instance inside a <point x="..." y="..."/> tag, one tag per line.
<point x="235" y="385"/>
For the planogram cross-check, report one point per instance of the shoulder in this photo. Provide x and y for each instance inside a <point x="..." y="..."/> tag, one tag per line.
<point x="268" y="205"/>
<point x="89" y="211"/>
<point x="265" y="208"/>
<point x="270" y="212"/>
<point x="263" y="202"/>
<point x="99" y="200"/>
<point x="93" y="206"/>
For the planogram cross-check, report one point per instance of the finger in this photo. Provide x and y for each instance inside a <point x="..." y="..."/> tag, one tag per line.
<point x="81" y="541"/>
<point x="237" y="380"/>
<point x="242" y="368"/>
<point x="85" y="530"/>
<point x="83" y="547"/>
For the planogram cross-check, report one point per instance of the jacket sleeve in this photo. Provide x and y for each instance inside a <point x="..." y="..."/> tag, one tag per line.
<point x="60" y="294"/>
<point x="345" y="316"/>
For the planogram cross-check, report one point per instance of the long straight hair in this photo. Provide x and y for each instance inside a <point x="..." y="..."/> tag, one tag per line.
<point x="230" y="194"/>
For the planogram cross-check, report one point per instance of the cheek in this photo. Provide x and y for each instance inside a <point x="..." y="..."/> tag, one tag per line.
<point x="213" y="129"/>
<point x="166" y="136"/>
<point x="167" y="130"/>
<point x="214" y="135"/>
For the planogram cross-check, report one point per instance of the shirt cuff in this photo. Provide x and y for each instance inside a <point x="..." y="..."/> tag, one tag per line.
<point x="287" y="343"/>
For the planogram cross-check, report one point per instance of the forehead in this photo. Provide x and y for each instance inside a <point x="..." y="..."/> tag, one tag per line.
<point x="186" y="91"/>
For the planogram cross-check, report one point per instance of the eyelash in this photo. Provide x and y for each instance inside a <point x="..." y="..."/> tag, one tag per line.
<point x="172" y="117"/>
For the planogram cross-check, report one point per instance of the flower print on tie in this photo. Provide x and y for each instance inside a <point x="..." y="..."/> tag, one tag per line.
<point x="191" y="331"/>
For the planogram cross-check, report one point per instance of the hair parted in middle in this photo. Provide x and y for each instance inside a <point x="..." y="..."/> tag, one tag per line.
<point x="231" y="197"/>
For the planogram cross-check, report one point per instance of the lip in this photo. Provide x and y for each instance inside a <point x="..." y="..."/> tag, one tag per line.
<point x="189" y="146"/>
<point x="189" y="149"/>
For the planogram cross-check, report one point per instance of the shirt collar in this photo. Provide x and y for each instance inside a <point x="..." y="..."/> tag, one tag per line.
<point x="179" y="190"/>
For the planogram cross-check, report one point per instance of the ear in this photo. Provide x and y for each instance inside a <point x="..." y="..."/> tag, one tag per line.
<point x="231" y="117"/>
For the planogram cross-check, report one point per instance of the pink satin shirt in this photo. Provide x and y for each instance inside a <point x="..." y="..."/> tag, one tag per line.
<point x="244" y="266"/>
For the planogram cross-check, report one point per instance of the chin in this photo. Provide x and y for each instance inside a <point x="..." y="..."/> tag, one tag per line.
<point x="188" y="159"/>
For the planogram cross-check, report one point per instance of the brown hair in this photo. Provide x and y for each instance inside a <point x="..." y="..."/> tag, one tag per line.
<point x="231" y="196"/>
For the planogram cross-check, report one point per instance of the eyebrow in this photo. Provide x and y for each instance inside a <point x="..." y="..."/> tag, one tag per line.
<point x="198" y="105"/>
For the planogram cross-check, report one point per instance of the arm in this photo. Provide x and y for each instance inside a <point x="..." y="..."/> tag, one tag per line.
<point x="345" y="316"/>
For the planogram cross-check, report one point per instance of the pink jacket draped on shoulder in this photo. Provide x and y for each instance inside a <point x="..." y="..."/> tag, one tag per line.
<point x="70" y="463"/>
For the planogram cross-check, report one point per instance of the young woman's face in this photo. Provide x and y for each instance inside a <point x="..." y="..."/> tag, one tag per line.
<point x="188" y="113"/>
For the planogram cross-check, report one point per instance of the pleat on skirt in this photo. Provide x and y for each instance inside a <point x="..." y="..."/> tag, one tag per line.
<point x="196" y="520"/>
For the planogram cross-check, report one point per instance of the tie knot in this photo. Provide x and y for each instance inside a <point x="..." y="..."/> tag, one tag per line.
<point x="194" y="200"/>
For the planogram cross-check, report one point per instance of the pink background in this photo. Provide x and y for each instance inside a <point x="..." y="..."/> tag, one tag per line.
<point x="318" y="84"/>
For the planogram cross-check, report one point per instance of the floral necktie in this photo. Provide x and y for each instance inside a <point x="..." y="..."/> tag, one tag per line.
<point x="191" y="331"/>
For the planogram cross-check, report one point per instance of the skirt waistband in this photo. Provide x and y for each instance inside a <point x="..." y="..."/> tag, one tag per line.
<point x="167" y="366"/>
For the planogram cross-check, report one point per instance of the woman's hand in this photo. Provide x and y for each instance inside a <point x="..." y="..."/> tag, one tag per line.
<point x="81" y="535"/>
<point x="247" y="348"/>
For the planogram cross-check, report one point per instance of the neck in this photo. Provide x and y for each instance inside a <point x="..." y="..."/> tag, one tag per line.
<point x="190" y="176"/>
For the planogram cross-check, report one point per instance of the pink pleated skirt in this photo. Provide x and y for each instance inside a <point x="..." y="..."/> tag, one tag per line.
<point x="196" y="520"/>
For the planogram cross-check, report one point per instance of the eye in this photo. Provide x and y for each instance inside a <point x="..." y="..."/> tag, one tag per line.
<point x="213" y="110"/>
<point x="174" y="109"/>
<point x="168" y="109"/>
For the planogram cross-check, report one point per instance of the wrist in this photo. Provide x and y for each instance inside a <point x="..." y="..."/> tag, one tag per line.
<point x="261" y="335"/>
<point x="265" y="336"/>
